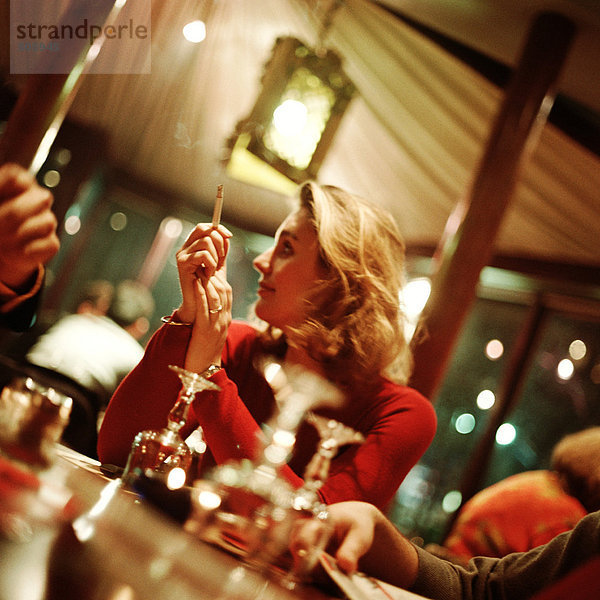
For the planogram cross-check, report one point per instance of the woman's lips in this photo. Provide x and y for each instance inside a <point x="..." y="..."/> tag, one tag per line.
<point x="264" y="290"/>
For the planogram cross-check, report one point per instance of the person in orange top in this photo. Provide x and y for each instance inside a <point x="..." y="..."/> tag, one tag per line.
<point x="529" y="509"/>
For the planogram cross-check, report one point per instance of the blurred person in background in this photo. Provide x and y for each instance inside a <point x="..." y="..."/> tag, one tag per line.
<point x="95" y="298"/>
<point x="531" y="508"/>
<point x="28" y="241"/>
<point x="97" y="350"/>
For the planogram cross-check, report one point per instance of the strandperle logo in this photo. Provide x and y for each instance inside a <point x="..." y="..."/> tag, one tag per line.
<point x="48" y="36"/>
<point x="33" y="33"/>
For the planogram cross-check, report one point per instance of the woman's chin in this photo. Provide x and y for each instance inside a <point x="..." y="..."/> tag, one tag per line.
<point x="262" y="312"/>
<point x="267" y="317"/>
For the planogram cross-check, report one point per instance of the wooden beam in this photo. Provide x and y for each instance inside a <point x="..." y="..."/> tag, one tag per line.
<point x="467" y="244"/>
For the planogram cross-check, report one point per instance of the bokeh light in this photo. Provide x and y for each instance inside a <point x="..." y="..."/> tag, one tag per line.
<point x="118" y="221"/>
<point x="51" y="178"/>
<point x="577" y="349"/>
<point x="565" y="369"/>
<point x="486" y="399"/>
<point x="506" y="434"/>
<point x="465" y="423"/>
<point x="195" y="32"/>
<point x="494" y="349"/>
<point x="451" y="501"/>
<point x="72" y="224"/>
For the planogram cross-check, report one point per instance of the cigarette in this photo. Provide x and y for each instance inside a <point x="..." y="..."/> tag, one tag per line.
<point x="218" y="207"/>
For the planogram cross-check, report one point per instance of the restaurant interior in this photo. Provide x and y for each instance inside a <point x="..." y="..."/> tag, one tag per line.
<point x="475" y="123"/>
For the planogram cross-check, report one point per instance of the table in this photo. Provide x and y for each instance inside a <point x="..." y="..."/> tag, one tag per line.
<point x="72" y="533"/>
<point x="123" y="550"/>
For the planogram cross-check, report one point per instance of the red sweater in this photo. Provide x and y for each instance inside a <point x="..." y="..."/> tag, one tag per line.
<point x="398" y="423"/>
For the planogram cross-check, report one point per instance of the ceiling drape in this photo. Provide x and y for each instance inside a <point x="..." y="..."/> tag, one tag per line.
<point x="410" y="140"/>
<point x="439" y="112"/>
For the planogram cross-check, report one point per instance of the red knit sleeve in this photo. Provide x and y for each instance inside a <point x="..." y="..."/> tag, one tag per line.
<point x="399" y="433"/>
<point x="146" y="395"/>
<point x="231" y="431"/>
<point x="398" y="423"/>
<point x="398" y="430"/>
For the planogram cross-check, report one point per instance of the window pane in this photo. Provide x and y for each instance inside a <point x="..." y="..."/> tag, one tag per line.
<point x="561" y="395"/>
<point x="462" y="407"/>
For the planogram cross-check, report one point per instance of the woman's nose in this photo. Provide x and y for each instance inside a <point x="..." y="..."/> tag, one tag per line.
<point x="262" y="261"/>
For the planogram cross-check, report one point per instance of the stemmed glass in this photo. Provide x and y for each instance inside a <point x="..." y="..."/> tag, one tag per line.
<point x="333" y="435"/>
<point x="164" y="451"/>
<point x="247" y="507"/>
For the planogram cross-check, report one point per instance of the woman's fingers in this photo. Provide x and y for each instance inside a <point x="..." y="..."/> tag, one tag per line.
<point x="205" y="250"/>
<point x="306" y="534"/>
<point x="353" y="546"/>
<point x="213" y="296"/>
<point x="214" y="304"/>
<point x="201" y="258"/>
<point x="218" y="295"/>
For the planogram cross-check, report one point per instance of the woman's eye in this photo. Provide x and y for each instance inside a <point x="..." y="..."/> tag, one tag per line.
<point x="286" y="249"/>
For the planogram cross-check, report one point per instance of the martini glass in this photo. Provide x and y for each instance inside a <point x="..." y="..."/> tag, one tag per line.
<point x="333" y="435"/>
<point x="164" y="451"/>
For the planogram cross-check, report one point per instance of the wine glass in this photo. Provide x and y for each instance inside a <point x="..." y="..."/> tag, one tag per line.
<point x="333" y="435"/>
<point x="164" y="451"/>
<point x="247" y="507"/>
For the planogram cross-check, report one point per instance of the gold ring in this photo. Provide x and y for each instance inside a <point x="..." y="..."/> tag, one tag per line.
<point x="302" y="552"/>
<point x="214" y="311"/>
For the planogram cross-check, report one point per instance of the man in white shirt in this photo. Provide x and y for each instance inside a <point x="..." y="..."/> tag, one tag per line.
<point x="95" y="350"/>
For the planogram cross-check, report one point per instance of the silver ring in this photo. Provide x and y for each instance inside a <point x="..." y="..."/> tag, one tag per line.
<point x="214" y="311"/>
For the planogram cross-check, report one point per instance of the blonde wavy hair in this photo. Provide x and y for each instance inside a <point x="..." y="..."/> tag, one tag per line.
<point x="355" y="322"/>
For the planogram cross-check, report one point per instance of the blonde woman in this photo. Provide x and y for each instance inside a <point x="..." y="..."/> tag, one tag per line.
<point x="328" y="300"/>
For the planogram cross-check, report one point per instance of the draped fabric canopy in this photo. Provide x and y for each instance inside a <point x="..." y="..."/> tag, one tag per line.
<point x="411" y="139"/>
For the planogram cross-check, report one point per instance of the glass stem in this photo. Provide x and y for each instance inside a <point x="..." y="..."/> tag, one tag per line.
<point x="178" y="415"/>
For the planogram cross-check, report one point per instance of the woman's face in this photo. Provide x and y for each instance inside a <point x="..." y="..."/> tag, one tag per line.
<point x="289" y="270"/>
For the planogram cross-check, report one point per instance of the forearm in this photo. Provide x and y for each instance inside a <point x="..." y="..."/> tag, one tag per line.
<point x="392" y="557"/>
<point x="204" y="349"/>
<point x="516" y="576"/>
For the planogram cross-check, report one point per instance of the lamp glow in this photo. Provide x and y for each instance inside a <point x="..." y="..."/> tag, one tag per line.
<point x="290" y="118"/>
<point x="195" y="32"/>
<point x="303" y="98"/>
